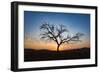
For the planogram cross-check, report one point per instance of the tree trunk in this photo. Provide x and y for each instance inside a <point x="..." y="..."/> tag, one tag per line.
<point x="58" y="47"/>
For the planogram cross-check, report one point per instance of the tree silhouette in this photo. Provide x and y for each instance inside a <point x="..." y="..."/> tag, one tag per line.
<point x="57" y="34"/>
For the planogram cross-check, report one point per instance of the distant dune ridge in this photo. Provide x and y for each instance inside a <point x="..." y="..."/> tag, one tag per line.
<point x="43" y="55"/>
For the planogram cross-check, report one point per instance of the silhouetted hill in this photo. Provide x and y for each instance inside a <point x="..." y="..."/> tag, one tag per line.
<point x="41" y="55"/>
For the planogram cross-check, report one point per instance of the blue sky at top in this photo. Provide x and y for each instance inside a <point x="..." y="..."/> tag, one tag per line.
<point x="74" y="22"/>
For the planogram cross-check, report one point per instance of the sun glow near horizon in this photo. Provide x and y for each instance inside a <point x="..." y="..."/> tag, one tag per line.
<point x="38" y="44"/>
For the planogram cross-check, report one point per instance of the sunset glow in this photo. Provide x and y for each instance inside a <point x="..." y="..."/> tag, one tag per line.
<point x="73" y="21"/>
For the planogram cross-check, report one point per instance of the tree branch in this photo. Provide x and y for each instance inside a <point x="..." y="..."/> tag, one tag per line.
<point x="56" y="34"/>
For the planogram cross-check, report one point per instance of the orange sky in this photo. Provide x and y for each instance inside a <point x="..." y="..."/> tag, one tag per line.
<point x="38" y="44"/>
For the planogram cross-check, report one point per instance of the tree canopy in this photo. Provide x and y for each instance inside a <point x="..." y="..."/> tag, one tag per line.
<point x="56" y="34"/>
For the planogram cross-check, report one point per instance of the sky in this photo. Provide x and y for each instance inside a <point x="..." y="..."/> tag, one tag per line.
<point x="74" y="22"/>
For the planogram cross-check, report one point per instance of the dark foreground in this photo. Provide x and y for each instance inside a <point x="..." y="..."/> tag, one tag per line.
<point x="43" y="55"/>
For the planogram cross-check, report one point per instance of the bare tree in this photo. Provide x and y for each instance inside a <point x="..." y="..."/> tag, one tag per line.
<point x="56" y="34"/>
